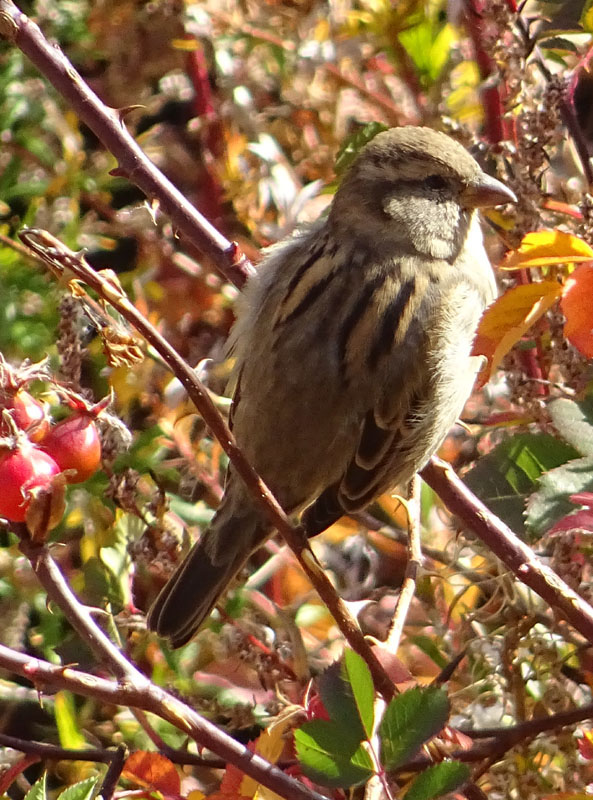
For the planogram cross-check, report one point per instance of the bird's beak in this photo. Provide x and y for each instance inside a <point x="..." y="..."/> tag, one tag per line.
<point x="484" y="191"/>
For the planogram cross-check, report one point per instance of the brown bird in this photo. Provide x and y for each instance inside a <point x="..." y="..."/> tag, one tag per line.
<point x="352" y="349"/>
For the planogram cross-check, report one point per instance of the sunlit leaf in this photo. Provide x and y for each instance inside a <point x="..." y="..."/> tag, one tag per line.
<point x="152" y="771"/>
<point x="338" y="698"/>
<point x="359" y="678"/>
<point x="578" y="327"/>
<point x="67" y="723"/>
<point x="83" y="790"/>
<point x="574" y="422"/>
<point x="38" y="790"/>
<point x="506" y="321"/>
<point x="546" y="248"/>
<point x="269" y="745"/>
<point x="586" y="18"/>
<point x="325" y="752"/>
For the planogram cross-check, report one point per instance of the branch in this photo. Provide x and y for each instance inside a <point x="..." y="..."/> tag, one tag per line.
<point x="58" y="590"/>
<point x="148" y="697"/>
<point x="56" y="753"/>
<point x="514" y="553"/>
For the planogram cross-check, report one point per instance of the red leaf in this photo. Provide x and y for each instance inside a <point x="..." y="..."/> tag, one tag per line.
<point x="153" y="771"/>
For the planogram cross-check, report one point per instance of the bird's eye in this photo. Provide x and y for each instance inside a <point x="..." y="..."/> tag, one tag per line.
<point x="436" y="182"/>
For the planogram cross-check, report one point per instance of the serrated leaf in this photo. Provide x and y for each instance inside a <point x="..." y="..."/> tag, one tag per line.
<point x="327" y="757"/>
<point x="438" y="780"/>
<point x="410" y="720"/>
<point x="506" y="477"/>
<point x="38" y="790"/>
<point x="359" y="678"/>
<point x="83" y="790"/>
<point x="552" y="500"/>
<point x="338" y="698"/>
<point x="574" y="422"/>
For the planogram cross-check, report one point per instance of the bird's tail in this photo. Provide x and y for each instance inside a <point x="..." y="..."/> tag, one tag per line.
<point x="194" y="588"/>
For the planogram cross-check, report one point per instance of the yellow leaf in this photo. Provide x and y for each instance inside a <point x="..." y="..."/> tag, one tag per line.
<point x="67" y="723"/>
<point x="546" y="248"/>
<point x="508" y="318"/>
<point x="269" y="745"/>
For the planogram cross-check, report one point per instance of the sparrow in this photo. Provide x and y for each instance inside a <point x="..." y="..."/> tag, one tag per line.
<point x="351" y="353"/>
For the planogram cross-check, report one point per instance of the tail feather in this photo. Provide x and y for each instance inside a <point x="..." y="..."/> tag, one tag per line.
<point x="326" y="510"/>
<point x="195" y="587"/>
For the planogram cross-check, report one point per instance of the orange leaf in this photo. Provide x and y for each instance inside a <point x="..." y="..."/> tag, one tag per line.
<point x="577" y="307"/>
<point x="546" y="248"/>
<point x="508" y="318"/>
<point x="152" y="771"/>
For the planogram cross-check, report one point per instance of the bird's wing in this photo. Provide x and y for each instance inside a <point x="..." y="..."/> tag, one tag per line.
<point x="387" y="450"/>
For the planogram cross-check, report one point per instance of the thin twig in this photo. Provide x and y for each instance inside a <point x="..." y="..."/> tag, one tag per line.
<point x="414" y="562"/>
<point x="58" y="590"/>
<point x="51" y="751"/>
<point x="112" y="776"/>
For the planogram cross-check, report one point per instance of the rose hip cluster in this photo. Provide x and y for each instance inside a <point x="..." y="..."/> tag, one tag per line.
<point x="34" y="451"/>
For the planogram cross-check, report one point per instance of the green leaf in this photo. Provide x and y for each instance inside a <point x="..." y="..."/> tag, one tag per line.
<point x="327" y="757"/>
<point x="586" y="18"/>
<point x="67" y="723"/>
<point x="83" y="790"/>
<point x="558" y="43"/>
<point x="192" y="513"/>
<point x="338" y="698"/>
<point x="410" y="720"/>
<point x="574" y="422"/>
<point x="438" y="780"/>
<point x="507" y="476"/>
<point x="354" y="144"/>
<point x="551" y="502"/>
<point x="359" y="677"/>
<point x="429" y="647"/>
<point x="429" y="46"/>
<point x="37" y="791"/>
